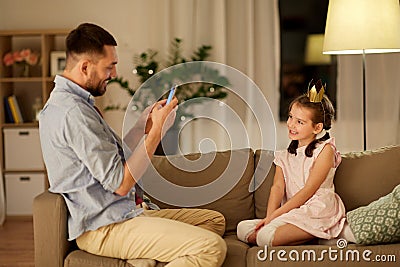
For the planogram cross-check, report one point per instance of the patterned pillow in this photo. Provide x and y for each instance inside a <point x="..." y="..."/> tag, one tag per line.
<point x="379" y="222"/>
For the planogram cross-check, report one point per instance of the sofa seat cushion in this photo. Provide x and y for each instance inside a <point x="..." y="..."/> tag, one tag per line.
<point x="236" y="167"/>
<point x="378" y="222"/>
<point x="237" y="251"/>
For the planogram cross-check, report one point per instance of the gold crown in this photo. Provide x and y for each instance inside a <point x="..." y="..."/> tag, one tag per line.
<point x="316" y="92"/>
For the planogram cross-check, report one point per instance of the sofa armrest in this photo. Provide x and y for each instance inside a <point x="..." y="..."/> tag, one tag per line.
<point x="50" y="230"/>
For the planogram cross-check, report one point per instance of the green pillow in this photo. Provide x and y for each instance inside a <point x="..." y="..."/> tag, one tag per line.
<point x="379" y="222"/>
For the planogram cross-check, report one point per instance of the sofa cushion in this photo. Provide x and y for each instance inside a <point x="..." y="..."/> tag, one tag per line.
<point x="264" y="174"/>
<point x="236" y="168"/>
<point x="379" y="222"/>
<point x="237" y="251"/>
<point x="50" y="230"/>
<point x="365" y="176"/>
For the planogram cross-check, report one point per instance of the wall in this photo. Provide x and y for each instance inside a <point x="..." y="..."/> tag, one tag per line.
<point x="117" y="18"/>
<point x="136" y="25"/>
<point x="122" y="18"/>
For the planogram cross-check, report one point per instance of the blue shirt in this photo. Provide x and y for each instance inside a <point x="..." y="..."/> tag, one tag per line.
<point x="84" y="159"/>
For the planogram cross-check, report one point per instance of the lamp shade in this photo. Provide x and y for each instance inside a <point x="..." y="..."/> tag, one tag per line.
<point x="313" y="53"/>
<point x="357" y="26"/>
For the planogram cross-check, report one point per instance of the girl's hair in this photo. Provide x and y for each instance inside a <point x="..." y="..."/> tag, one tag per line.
<point x="323" y="112"/>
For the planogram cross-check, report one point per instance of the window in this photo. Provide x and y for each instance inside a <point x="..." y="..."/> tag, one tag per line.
<point x="302" y="27"/>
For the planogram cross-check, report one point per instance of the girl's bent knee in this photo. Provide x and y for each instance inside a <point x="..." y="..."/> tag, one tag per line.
<point x="241" y="231"/>
<point x="244" y="228"/>
<point x="266" y="234"/>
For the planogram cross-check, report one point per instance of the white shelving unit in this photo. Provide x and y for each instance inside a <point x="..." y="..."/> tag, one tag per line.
<point x="23" y="172"/>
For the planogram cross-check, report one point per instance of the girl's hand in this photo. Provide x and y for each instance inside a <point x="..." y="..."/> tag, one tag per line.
<point x="261" y="224"/>
<point x="264" y="221"/>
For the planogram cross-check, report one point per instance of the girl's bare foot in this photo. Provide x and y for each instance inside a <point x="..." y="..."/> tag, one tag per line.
<point x="252" y="238"/>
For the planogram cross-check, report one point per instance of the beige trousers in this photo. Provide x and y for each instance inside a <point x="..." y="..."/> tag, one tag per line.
<point x="181" y="237"/>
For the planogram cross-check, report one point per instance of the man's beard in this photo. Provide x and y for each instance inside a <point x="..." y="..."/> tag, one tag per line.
<point x="96" y="90"/>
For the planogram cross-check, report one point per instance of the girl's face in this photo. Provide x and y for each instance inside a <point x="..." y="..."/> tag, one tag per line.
<point x="301" y="126"/>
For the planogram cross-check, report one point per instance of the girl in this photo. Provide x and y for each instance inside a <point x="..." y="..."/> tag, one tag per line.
<point x="302" y="203"/>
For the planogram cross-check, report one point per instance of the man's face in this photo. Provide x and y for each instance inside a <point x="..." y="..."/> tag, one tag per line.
<point x="102" y="69"/>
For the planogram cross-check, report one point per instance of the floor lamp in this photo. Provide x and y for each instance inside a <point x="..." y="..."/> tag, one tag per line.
<point x="362" y="27"/>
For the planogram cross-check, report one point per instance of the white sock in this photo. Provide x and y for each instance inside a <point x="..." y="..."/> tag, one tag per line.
<point x="347" y="233"/>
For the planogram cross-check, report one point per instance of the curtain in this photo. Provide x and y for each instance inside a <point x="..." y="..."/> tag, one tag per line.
<point x="243" y="34"/>
<point x="382" y="101"/>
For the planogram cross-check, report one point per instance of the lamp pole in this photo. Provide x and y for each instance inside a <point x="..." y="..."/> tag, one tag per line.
<point x="364" y="102"/>
<point x="375" y="29"/>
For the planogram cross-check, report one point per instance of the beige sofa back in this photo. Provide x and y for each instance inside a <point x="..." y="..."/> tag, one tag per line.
<point x="360" y="178"/>
<point x="364" y="177"/>
<point x="233" y="166"/>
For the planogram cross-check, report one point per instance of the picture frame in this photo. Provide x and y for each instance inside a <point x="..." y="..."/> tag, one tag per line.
<point x="57" y="62"/>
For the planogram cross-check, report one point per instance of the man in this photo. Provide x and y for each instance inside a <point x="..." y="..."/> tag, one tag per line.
<point x="86" y="164"/>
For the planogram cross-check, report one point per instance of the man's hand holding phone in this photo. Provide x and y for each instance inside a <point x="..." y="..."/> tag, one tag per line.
<point x="163" y="113"/>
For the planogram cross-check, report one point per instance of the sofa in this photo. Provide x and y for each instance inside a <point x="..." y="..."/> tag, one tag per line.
<point x="361" y="178"/>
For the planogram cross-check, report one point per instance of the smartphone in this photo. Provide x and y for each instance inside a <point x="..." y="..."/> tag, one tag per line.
<point x="171" y="94"/>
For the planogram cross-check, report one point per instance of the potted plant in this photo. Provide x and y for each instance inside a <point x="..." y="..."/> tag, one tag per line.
<point x="147" y="65"/>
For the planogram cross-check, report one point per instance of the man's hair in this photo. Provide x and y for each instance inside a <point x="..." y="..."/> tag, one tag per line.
<point x="88" y="38"/>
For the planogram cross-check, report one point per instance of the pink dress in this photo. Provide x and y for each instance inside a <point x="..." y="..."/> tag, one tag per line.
<point x="323" y="215"/>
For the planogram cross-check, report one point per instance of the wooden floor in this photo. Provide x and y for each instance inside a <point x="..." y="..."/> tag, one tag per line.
<point x="16" y="242"/>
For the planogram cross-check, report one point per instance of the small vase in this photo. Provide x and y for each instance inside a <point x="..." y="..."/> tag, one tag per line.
<point x="25" y="71"/>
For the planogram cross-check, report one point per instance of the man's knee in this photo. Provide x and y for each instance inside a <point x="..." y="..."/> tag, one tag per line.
<point x="223" y="248"/>
<point x="219" y="249"/>
<point x="208" y="249"/>
<point x="266" y="235"/>
<point x="219" y="222"/>
<point x="215" y="223"/>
